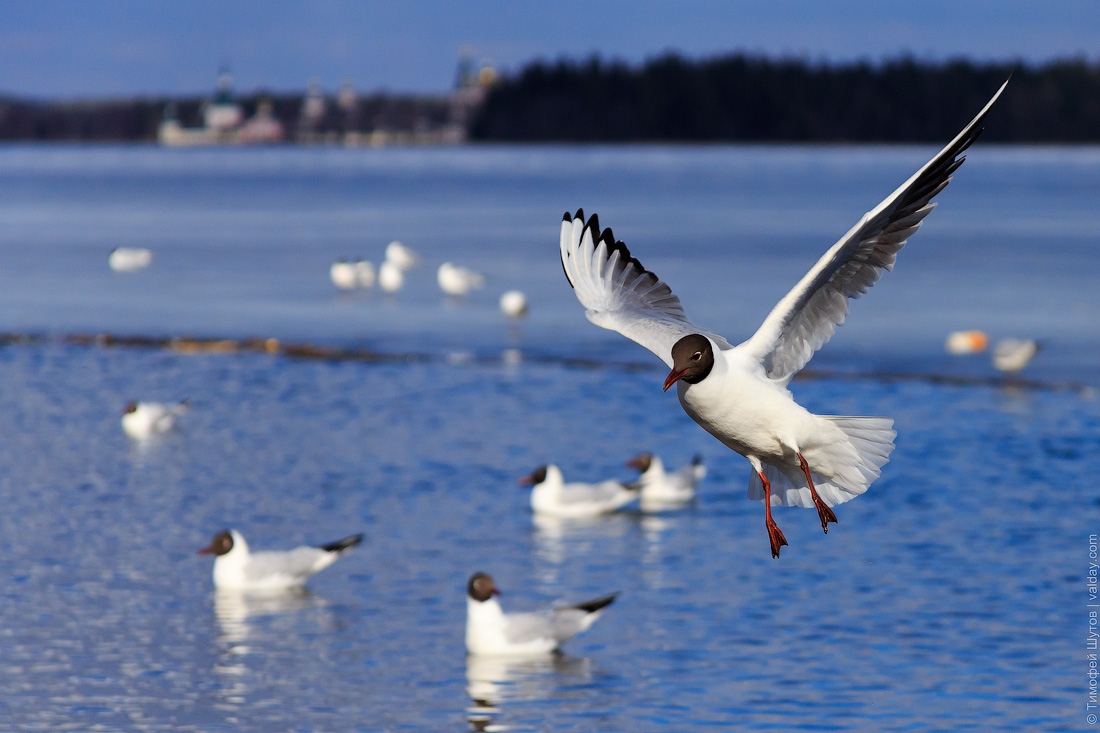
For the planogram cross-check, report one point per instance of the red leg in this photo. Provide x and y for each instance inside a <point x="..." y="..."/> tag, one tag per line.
<point x="824" y="513"/>
<point x="774" y="535"/>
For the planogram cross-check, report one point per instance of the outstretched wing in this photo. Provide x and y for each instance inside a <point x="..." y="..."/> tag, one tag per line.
<point x="618" y="293"/>
<point x="808" y="315"/>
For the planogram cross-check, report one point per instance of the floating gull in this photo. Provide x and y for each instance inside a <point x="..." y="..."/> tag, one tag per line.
<point x="660" y="489"/>
<point x="1012" y="354"/>
<point x="390" y="277"/>
<point x="401" y="256"/>
<point x="491" y="631"/>
<point x="142" y="420"/>
<point x="237" y="568"/>
<point x="130" y="259"/>
<point x="364" y="273"/>
<point x="513" y="304"/>
<point x="344" y="275"/>
<point x="455" y="280"/>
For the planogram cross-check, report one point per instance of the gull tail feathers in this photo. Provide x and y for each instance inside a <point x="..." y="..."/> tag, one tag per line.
<point x="345" y="544"/>
<point x="857" y="464"/>
<point x="596" y="604"/>
<point x="592" y="609"/>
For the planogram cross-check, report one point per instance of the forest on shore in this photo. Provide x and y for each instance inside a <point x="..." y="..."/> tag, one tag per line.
<point x="743" y="98"/>
<point x="733" y="98"/>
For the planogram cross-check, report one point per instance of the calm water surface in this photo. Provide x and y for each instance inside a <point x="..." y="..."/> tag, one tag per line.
<point x="952" y="596"/>
<point x="243" y="240"/>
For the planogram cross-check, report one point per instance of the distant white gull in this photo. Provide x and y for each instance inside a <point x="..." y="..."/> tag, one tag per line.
<point x="401" y="256"/>
<point x="142" y="420"/>
<point x="343" y="274"/>
<point x="1012" y="354"/>
<point x="236" y="568"/>
<point x="513" y="304"/>
<point x="491" y="631"/>
<point x="739" y="393"/>
<point x="659" y="489"/>
<point x="130" y="259"/>
<point x="390" y="277"/>
<point x="364" y="273"/>
<point x="456" y="280"/>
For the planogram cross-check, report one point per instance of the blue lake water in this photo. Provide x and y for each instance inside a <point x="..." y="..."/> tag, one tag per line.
<point x="952" y="596"/>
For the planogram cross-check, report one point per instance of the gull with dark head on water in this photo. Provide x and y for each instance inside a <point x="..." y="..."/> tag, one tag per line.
<point x="238" y="568"/>
<point x="660" y="490"/>
<point x="491" y="631"/>
<point x="143" y="420"/>
<point x="739" y="393"/>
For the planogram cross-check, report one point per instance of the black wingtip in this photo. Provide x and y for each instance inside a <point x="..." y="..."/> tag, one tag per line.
<point x="596" y="604"/>
<point x="613" y="245"/>
<point x="344" y="544"/>
<point x="594" y="225"/>
<point x="608" y="237"/>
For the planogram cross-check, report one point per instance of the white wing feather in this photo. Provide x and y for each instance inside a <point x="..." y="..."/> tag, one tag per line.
<point x="298" y="563"/>
<point x="618" y="293"/>
<point x="559" y="624"/>
<point x="808" y="315"/>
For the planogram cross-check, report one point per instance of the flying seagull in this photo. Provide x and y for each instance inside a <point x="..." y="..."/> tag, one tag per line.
<point x="739" y="393"/>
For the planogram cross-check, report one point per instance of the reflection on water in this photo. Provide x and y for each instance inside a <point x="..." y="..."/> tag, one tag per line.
<point x="655" y="529"/>
<point x="493" y="682"/>
<point x="559" y="538"/>
<point x="236" y="613"/>
<point x="234" y="609"/>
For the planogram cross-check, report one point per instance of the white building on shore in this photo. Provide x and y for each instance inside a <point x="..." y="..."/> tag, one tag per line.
<point x="224" y="122"/>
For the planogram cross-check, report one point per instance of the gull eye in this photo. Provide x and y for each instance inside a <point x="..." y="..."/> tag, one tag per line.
<point x="697" y="356"/>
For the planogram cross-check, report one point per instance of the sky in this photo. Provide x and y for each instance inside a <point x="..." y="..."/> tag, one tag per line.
<point x="58" y="49"/>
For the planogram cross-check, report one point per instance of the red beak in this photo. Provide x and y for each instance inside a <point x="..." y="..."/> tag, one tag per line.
<point x="673" y="377"/>
<point x="525" y="481"/>
<point x="206" y="551"/>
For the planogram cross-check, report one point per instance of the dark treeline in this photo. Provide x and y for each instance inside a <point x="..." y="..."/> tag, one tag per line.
<point x="746" y="98"/>
<point x="80" y="121"/>
<point x="137" y="120"/>
<point x="733" y="98"/>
